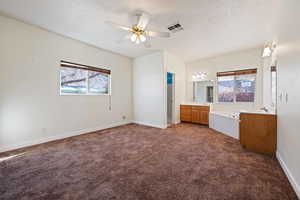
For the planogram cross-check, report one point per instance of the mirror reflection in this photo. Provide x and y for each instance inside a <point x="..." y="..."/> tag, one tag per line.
<point x="203" y="91"/>
<point x="273" y="86"/>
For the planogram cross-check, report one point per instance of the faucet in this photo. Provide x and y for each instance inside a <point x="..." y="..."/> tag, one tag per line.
<point x="264" y="109"/>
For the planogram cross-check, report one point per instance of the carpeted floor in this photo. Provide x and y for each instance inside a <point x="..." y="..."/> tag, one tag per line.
<point x="137" y="162"/>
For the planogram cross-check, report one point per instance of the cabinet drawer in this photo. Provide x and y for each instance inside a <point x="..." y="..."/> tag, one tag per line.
<point x="185" y="107"/>
<point x="203" y="108"/>
<point x="185" y="111"/>
<point x="186" y="118"/>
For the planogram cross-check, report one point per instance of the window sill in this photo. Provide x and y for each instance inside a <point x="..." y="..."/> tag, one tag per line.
<point x="236" y="103"/>
<point x="89" y="94"/>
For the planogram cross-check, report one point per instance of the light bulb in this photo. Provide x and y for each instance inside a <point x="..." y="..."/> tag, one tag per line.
<point x="133" y="37"/>
<point x="142" y="38"/>
<point x="267" y="52"/>
<point x="137" y="41"/>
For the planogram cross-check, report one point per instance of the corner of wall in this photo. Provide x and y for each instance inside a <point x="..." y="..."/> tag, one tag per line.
<point x="288" y="173"/>
<point x="59" y="136"/>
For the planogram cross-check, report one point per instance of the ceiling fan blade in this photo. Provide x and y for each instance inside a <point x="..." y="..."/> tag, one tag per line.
<point x="118" y="26"/>
<point x="158" y="34"/>
<point x="147" y="43"/>
<point x="143" y="20"/>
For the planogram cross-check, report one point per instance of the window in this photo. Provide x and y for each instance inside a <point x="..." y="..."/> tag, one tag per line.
<point x="237" y="86"/>
<point x="245" y="88"/>
<point x="226" y="89"/>
<point x="73" y="80"/>
<point x="82" y="79"/>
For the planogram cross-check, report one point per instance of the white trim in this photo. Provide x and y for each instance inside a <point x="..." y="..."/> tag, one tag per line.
<point x="149" y="124"/>
<point x="60" y="136"/>
<point x="173" y="120"/>
<point x="288" y="174"/>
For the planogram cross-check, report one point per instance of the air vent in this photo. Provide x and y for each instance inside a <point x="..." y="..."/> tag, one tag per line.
<point x="175" y="27"/>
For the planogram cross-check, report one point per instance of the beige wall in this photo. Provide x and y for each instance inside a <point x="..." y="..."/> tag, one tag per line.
<point x="148" y="90"/>
<point x="31" y="109"/>
<point x="288" y="110"/>
<point x="288" y="71"/>
<point x="232" y="61"/>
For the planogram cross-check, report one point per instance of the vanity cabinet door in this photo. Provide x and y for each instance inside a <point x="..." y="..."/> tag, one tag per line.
<point x="196" y="116"/>
<point x="204" y="117"/>
<point x="258" y="132"/>
<point x="200" y="114"/>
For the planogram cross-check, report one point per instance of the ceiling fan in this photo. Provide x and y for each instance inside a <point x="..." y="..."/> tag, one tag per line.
<point x="138" y="32"/>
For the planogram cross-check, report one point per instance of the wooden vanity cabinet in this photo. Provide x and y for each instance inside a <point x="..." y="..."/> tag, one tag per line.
<point x="185" y="113"/>
<point x="258" y="132"/>
<point x="194" y="114"/>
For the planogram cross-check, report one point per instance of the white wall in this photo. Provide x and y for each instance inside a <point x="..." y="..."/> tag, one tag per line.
<point x="32" y="110"/>
<point x="267" y="92"/>
<point x="288" y="110"/>
<point x="175" y="65"/>
<point x="149" y="90"/>
<point x="150" y="87"/>
<point x="233" y="61"/>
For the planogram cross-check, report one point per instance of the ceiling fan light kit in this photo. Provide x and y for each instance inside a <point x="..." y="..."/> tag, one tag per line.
<point x="138" y="32"/>
<point x="133" y="37"/>
<point x="137" y="35"/>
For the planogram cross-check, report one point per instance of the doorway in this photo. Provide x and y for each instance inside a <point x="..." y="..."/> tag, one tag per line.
<point x="170" y="98"/>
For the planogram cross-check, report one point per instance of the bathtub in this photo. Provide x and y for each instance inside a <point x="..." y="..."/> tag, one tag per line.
<point x="225" y="122"/>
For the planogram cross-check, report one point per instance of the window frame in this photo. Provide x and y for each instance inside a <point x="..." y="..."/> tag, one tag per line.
<point x="236" y="74"/>
<point x="86" y="82"/>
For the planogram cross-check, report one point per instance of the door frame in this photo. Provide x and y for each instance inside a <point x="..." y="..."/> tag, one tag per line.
<point x="173" y="120"/>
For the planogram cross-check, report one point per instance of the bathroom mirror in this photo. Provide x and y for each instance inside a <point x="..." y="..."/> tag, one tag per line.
<point x="203" y="91"/>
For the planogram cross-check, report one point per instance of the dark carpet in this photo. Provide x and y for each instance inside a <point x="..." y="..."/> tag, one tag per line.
<point x="137" y="162"/>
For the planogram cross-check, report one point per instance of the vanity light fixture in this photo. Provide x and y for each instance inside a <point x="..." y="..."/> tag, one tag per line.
<point x="199" y="76"/>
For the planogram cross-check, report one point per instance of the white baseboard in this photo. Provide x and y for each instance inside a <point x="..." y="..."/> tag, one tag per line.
<point x="59" y="136"/>
<point x="149" y="124"/>
<point x="288" y="174"/>
<point x="178" y="122"/>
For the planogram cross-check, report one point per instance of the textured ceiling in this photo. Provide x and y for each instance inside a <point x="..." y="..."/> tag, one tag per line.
<point x="211" y="27"/>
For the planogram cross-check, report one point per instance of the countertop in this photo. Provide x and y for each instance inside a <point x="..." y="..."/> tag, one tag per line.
<point x="195" y="104"/>
<point x="259" y="112"/>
